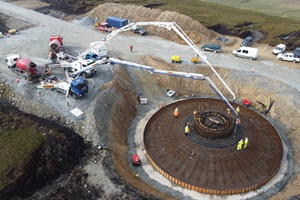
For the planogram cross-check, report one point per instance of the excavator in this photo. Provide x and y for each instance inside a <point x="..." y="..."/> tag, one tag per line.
<point x="180" y="32"/>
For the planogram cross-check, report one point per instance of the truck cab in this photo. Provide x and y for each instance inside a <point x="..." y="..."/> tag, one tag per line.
<point x="91" y="56"/>
<point x="105" y="27"/>
<point x="77" y="88"/>
<point x="11" y="60"/>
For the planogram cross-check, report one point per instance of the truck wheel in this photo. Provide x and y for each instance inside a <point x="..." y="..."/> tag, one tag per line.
<point x="251" y="58"/>
<point x="294" y="61"/>
<point x="235" y="55"/>
<point x="280" y="59"/>
<point x="74" y="95"/>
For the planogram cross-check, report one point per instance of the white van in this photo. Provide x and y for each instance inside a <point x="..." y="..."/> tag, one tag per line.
<point x="246" y="52"/>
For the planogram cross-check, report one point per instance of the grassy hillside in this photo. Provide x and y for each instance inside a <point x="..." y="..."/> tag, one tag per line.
<point x="281" y="8"/>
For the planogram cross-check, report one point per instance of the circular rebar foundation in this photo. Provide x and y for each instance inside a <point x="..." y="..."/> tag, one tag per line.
<point x="207" y="159"/>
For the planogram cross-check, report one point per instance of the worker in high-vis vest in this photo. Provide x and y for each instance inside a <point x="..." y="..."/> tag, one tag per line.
<point x="228" y="112"/>
<point x="237" y="110"/>
<point x="240" y="144"/>
<point x="176" y="113"/>
<point x="246" y="142"/>
<point x="187" y="129"/>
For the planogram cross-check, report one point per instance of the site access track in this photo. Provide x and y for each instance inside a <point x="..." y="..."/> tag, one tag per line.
<point x="71" y="31"/>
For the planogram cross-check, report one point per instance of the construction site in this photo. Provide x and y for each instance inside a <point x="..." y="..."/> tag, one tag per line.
<point x="146" y="126"/>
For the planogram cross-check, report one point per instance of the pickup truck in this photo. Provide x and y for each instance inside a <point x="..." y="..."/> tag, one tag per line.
<point x="105" y="27"/>
<point x="288" y="57"/>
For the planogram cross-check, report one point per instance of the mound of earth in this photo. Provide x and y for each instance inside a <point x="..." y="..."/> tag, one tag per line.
<point x="194" y="29"/>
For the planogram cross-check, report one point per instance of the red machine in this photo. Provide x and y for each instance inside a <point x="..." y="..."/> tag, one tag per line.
<point x="105" y="27"/>
<point x="56" y="42"/>
<point x="135" y="159"/>
<point x="23" y="66"/>
<point x="28" y="68"/>
<point x="56" y="48"/>
<point x="246" y="102"/>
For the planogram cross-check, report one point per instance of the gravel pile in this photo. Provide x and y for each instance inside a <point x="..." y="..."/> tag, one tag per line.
<point x="84" y="21"/>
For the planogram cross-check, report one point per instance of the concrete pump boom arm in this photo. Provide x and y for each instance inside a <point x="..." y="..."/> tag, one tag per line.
<point x="194" y="76"/>
<point x="180" y="32"/>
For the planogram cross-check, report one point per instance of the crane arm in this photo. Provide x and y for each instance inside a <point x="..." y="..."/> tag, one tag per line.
<point x="89" y="67"/>
<point x="194" y="76"/>
<point x="180" y="32"/>
<point x="174" y="26"/>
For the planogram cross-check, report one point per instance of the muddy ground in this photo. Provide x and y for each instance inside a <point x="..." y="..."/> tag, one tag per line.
<point x="128" y="185"/>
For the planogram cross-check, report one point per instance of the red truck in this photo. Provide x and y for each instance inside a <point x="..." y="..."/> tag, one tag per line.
<point x="23" y="67"/>
<point x="105" y="27"/>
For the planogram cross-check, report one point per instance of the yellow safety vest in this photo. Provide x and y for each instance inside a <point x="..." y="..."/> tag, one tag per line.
<point x="187" y="129"/>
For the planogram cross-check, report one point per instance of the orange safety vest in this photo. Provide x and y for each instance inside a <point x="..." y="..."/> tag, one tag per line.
<point x="176" y="113"/>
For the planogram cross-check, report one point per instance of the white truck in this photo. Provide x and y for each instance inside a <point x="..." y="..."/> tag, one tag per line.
<point x="79" y="65"/>
<point x="288" y="57"/>
<point x="99" y="48"/>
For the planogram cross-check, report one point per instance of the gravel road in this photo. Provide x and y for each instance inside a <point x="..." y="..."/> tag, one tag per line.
<point x="33" y="43"/>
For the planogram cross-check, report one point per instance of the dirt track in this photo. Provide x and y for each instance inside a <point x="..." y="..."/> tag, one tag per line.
<point x="119" y="47"/>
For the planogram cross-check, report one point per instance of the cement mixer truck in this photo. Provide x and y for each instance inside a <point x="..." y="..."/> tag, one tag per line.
<point x="23" y="67"/>
<point x="56" y="43"/>
<point x="56" y="48"/>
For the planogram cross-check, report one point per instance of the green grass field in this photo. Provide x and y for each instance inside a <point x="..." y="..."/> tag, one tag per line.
<point x="281" y="8"/>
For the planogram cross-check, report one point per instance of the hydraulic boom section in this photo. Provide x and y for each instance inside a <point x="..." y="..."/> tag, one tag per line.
<point x="194" y="76"/>
<point x="180" y="32"/>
